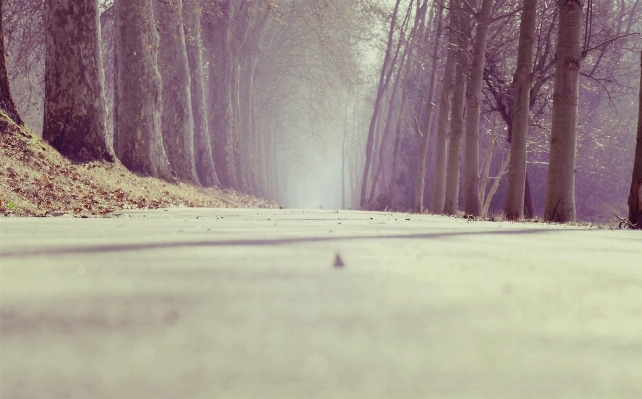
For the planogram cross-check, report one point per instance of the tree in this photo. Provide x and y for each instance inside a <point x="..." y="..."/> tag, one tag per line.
<point x="422" y="135"/>
<point x="192" y="14"/>
<point x="457" y="110"/>
<point x="384" y="79"/>
<point x="137" y="105"/>
<point x="75" y="114"/>
<point x="442" y="137"/>
<point x="217" y="37"/>
<point x="6" y="101"/>
<point x="473" y="114"/>
<point x="522" y="82"/>
<point x="177" y="122"/>
<point x="560" y="189"/>
<point x="635" y="196"/>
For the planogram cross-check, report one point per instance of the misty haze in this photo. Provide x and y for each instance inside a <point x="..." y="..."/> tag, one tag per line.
<point x="281" y="199"/>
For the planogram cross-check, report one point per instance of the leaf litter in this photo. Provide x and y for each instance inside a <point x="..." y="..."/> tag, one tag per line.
<point x="35" y="180"/>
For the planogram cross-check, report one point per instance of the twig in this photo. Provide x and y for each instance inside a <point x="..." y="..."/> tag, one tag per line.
<point x="626" y="222"/>
<point x="607" y="42"/>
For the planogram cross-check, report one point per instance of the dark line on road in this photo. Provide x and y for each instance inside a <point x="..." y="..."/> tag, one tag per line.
<point x="92" y="249"/>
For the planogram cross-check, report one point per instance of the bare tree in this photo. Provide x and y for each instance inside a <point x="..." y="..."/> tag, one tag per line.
<point x="560" y="189"/>
<point x="472" y="204"/>
<point x="423" y="134"/>
<point x="384" y="79"/>
<point x="75" y="114"/>
<point x="442" y="136"/>
<point x="451" y="205"/>
<point x="522" y="84"/>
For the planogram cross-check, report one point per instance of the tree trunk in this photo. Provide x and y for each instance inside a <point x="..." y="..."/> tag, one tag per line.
<point x="441" y="139"/>
<point x="218" y="96"/>
<point x="239" y="153"/>
<point x="560" y="188"/>
<point x="635" y="196"/>
<point x="386" y="133"/>
<point x="451" y="205"/>
<point x="177" y="121"/>
<point x="404" y="64"/>
<point x="204" y="162"/>
<point x="6" y="101"/>
<point x="75" y="116"/>
<point x="380" y="93"/>
<point x="522" y="83"/>
<point x="423" y="135"/>
<point x="474" y="100"/>
<point x="138" y="137"/>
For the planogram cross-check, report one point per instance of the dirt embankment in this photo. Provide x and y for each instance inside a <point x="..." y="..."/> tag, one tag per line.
<point x="35" y="180"/>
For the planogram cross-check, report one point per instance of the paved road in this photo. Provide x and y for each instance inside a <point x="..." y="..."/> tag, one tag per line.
<point x="215" y="304"/>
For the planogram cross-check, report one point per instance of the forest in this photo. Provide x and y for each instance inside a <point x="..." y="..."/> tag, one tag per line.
<point x="491" y="109"/>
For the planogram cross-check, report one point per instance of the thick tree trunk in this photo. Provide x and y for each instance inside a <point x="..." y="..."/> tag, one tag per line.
<point x="138" y="137"/>
<point x="451" y="205"/>
<point x="177" y="121"/>
<point x="6" y="101"/>
<point x="75" y="115"/>
<point x="192" y="13"/>
<point x="560" y="189"/>
<point x="635" y="196"/>
<point x="441" y="139"/>
<point x="472" y="205"/>
<point x="218" y="96"/>
<point x="522" y="83"/>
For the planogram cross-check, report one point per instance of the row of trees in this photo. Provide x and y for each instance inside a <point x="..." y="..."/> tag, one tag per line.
<point x="553" y="72"/>
<point x="192" y="90"/>
<point x="255" y="95"/>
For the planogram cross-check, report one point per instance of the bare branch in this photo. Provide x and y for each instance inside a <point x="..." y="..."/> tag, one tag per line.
<point x="607" y="42"/>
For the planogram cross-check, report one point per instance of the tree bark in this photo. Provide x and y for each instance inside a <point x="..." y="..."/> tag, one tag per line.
<point x="204" y="162"/>
<point x="75" y="116"/>
<point x="177" y="122"/>
<point x="451" y="204"/>
<point x="472" y="205"/>
<point x="635" y="196"/>
<point x="442" y="137"/>
<point x="6" y="101"/>
<point x="522" y="83"/>
<point x="560" y="189"/>
<point x="138" y="137"/>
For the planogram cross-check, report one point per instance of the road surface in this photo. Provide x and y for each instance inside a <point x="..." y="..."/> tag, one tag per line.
<point x="242" y="303"/>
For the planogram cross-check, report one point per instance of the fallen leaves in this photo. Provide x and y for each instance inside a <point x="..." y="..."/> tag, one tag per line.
<point x="35" y="180"/>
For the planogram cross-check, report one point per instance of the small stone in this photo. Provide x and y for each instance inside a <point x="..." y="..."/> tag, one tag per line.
<point x="338" y="262"/>
<point x="57" y="213"/>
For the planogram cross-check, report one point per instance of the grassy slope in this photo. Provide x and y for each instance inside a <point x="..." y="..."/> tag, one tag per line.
<point x="35" y="180"/>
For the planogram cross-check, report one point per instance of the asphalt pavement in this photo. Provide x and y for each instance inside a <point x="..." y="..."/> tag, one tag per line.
<point x="247" y="303"/>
